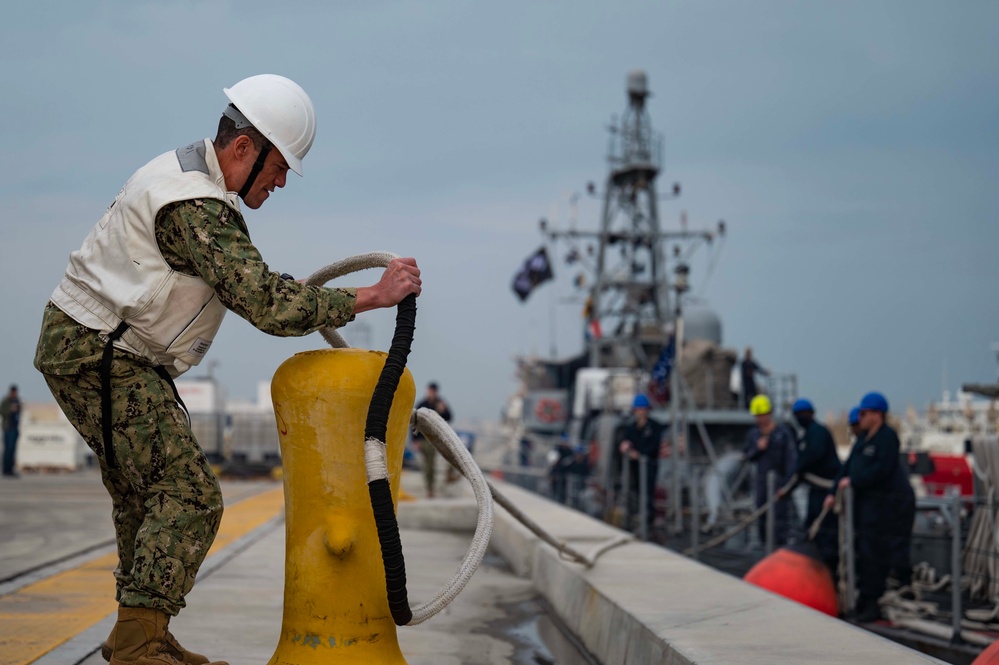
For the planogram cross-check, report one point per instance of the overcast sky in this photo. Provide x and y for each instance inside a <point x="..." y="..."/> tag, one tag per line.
<point x="852" y="148"/>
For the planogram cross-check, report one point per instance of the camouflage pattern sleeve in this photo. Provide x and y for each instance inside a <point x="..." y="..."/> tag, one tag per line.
<point x="207" y="238"/>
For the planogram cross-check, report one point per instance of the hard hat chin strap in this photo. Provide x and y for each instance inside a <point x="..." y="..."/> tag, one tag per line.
<point x="255" y="171"/>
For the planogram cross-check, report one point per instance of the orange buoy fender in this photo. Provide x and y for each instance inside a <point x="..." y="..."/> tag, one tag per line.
<point x="988" y="657"/>
<point x="793" y="572"/>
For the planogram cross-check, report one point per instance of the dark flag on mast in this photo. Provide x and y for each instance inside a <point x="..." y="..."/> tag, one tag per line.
<point x="535" y="271"/>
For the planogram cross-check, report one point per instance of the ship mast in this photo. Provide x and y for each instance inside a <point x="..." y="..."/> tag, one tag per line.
<point x="632" y="298"/>
<point x="629" y="301"/>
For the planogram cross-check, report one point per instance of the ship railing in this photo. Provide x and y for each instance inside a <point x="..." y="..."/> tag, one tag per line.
<point x="947" y="546"/>
<point x="783" y="391"/>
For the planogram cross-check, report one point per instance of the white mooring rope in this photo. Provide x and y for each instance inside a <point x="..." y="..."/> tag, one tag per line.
<point x="429" y="423"/>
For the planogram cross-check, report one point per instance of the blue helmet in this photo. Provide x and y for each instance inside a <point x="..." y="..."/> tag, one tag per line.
<point x="641" y="402"/>
<point x="802" y="405"/>
<point x="855" y="415"/>
<point x="874" y="402"/>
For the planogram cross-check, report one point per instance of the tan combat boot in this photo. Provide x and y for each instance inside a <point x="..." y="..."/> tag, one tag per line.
<point x="186" y="657"/>
<point x="141" y="637"/>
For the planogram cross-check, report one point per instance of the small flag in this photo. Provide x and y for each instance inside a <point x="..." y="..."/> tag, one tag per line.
<point x="661" y="371"/>
<point x="535" y="271"/>
<point x="593" y="330"/>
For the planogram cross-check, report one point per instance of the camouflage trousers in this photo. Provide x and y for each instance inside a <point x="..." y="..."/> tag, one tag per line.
<point x="166" y="500"/>
<point x="429" y="459"/>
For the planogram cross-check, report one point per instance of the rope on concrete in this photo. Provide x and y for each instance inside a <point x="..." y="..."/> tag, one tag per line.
<point x="436" y="430"/>
<point x="564" y="549"/>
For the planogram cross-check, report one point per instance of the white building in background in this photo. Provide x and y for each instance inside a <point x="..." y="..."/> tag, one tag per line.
<point x="231" y="429"/>
<point x="251" y="430"/>
<point x="49" y="442"/>
<point x="241" y="430"/>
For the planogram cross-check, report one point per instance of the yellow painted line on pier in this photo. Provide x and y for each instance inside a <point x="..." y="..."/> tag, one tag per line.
<point x="40" y="616"/>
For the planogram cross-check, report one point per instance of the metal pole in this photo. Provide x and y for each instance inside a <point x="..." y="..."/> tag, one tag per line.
<point x="771" y="517"/>
<point x="674" y="402"/>
<point x="709" y="385"/>
<point x="609" y="499"/>
<point x="626" y="491"/>
<point x="955" y="566"/>
<point x="851" y="570"/>
<point x="695" y="514"/>
<point x="674" y="426"/>
<point x="643" y="495"/>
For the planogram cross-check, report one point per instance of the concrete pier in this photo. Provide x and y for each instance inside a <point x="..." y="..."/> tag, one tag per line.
<point x="526" y="604"/>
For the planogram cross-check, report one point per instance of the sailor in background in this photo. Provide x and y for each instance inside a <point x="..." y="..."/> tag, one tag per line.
<point x="642" y="437"/>
<point x="881" y="498"/>
<point x="432" y="401"/>
<point x="569" y="469"/>
<point x="749" y="368"/>
<point x="817" y="457"/>
<point x="10" y="411"/>
<point x="771" y="447"/>
<point x="900" y="534"/>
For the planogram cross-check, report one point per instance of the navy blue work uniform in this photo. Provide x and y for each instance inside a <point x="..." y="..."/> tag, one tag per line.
<point x="900" y="529"/>
<point x="817" y="456"/>
<point x="647" y="441"/>
<point x="876" y="476"/>
<point x="780" y="457"/>
<point x="570" y="463"/>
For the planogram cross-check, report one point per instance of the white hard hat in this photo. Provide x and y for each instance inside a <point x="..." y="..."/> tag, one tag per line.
<point x="280" y="110"/>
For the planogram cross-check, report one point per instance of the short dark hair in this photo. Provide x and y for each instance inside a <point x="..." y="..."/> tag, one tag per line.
<point x="432" y="385"/>
<point x="227" y="133"/>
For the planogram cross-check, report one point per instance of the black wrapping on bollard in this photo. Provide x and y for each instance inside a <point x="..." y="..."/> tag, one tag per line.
<point x="392" y="559"/>
<point x="395" y="363"/>
<point x="379" y="490"/>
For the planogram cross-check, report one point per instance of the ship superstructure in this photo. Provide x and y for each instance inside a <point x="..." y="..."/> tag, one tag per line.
<point x="643" y="331"/>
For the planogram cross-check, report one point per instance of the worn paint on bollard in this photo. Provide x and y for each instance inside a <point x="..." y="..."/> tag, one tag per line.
<point x="335" y="608"/>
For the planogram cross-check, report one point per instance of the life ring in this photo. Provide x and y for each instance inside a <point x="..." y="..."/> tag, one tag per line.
<point x="549" y="410"/>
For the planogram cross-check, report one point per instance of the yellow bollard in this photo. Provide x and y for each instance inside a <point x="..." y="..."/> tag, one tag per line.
<point x="335" y="608"/>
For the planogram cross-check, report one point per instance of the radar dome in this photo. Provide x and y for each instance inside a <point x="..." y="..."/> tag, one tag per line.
<point x="700" y="322"/>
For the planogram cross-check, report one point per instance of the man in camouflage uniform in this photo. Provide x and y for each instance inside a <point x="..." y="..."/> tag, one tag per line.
<point x="167" y="503"/>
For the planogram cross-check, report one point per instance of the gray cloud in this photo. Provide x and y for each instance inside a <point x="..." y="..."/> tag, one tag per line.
<point x="851" y="146"/>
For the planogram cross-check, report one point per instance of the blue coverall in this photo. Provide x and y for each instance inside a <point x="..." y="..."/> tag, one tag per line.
<point x="779" y="456"/>
<point x="817" y="456"/>
<point x="647" y="440"/>
<point x="880" y="507"/>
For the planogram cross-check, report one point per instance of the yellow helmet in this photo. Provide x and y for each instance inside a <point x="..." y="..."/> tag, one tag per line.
<point x="760" y="405"/>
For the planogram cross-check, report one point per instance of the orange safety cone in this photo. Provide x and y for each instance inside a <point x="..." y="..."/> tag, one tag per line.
<point x="797" y="572"/>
